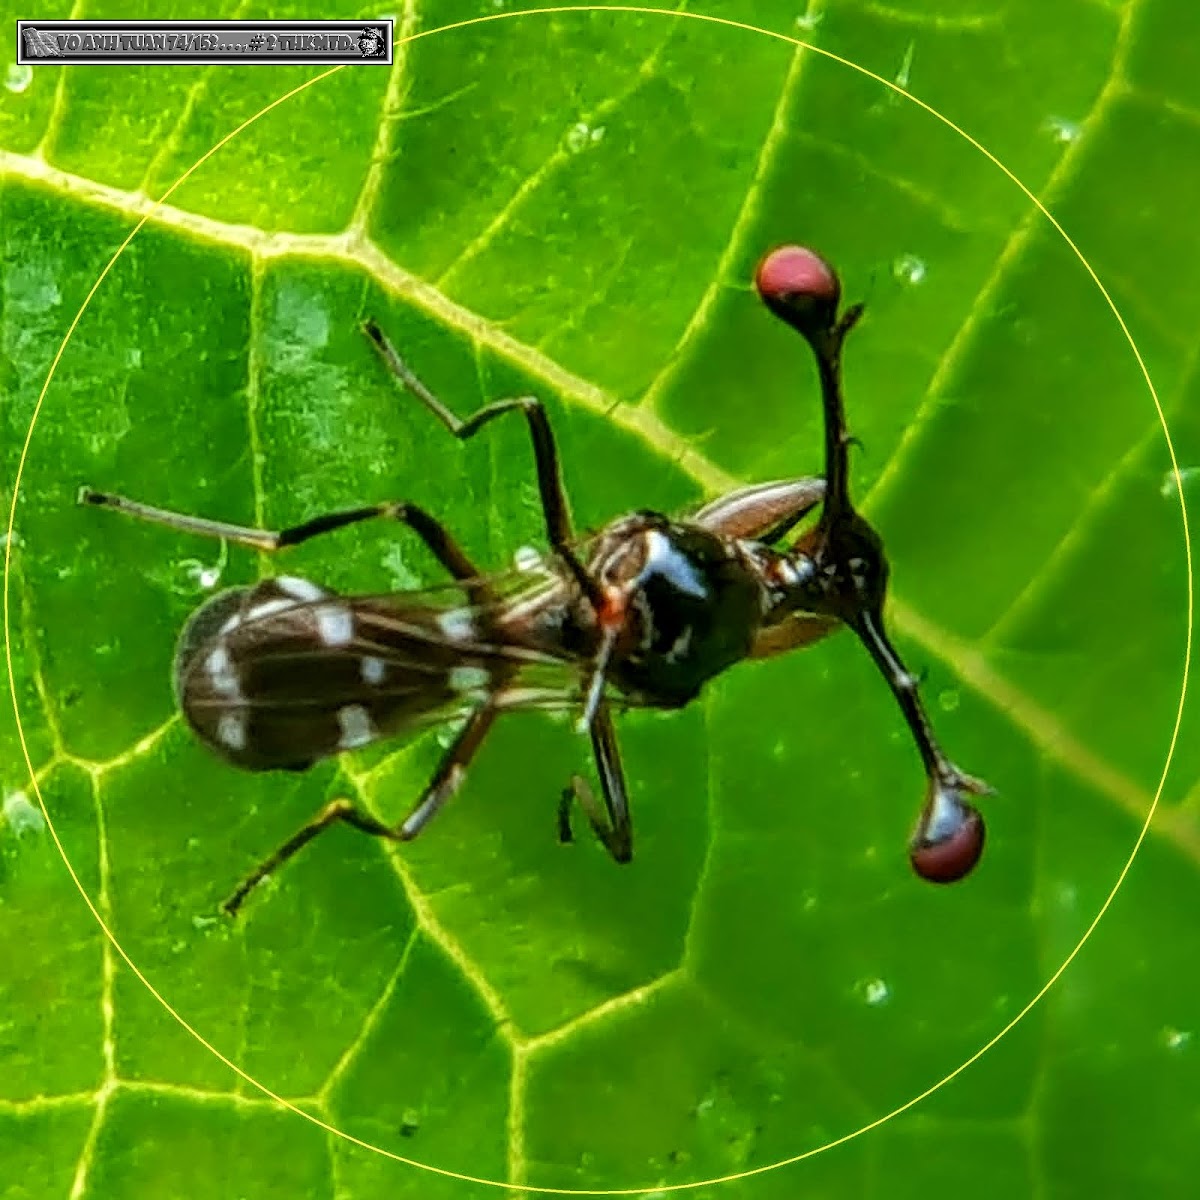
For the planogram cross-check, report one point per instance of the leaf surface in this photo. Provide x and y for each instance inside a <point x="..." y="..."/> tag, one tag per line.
<point x="572" y="205"/>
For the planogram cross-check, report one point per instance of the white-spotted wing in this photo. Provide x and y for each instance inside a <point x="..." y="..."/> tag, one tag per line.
<point x="282" y="674"/>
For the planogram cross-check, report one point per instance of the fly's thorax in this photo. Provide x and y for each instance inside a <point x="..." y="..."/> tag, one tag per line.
<point x="690" y="603"/>
<point x="552" y="617"/>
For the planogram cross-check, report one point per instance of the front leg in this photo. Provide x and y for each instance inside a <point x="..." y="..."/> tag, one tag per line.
<point x="612" y="825"/>
<point x="545" y="452"/>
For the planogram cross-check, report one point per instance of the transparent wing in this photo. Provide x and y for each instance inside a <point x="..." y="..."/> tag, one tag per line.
<point x="283" y="674"/>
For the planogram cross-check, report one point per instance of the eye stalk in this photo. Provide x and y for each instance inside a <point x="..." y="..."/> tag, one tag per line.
<point x="846" y="569"/>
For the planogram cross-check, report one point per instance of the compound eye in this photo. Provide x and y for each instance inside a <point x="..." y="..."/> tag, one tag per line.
<point x="949" y="837"/>
<point x="800" y="287"/>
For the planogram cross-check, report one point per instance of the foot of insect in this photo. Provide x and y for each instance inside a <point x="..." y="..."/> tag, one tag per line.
<point x="338" y="810"/>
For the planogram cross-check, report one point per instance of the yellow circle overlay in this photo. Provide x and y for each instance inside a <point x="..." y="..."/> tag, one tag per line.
<point x="658" y="1189"/>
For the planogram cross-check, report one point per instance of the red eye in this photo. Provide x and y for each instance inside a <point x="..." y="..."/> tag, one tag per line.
<point x="947" y="853"/>
<point x="793" y="271"/>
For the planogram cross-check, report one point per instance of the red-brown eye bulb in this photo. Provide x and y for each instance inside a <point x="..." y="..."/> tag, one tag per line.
<point x="950" y="835"/>
<point x="799" y="287"/>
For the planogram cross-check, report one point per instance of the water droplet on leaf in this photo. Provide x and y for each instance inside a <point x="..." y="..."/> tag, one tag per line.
<point x="1063" y="130"/>
<point x="22" y="816"/>
<point x="875" y="992"/>
<point x="1186" y="478"/>
<point x="1176" y="1039"/>
<point x="909" y="269"/>
<point x="581" y="135"/>
<point x="18" y="77"/>
<point x="527" y="558"/>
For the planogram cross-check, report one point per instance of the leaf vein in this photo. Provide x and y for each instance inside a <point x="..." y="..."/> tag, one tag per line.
<point x="560" y="155"/>
<point x="1063" y="174"/>
<point x="776" y="132"/>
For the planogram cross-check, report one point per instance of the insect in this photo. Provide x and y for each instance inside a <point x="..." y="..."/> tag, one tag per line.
<point x="642" y="614"/>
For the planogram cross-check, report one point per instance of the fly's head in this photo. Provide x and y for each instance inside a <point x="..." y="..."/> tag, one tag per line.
<point x="845" y="569"/>
<point x="839" y="570"/>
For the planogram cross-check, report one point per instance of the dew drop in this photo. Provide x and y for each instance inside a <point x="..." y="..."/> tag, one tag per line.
<point x="809" y="21"/>
<point x="1064" y="131"/>
<point x="1187" y="476"/>
<point x="527" y="559"/>
<point x="875" y="992"/>
<point x="191" y="576"/>
<point x="18" y="77"/>
<point x="202" y="924"/>
<point x="578" y="137"/>
<point x="948" y="699"/>
<point x="22" y="816"/>
<point x="909" y="269"/>
<point x="1176" y="1039"/>
<point x="581" y="135"/>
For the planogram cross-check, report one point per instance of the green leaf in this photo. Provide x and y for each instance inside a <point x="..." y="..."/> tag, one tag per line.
<point x="572" y="205"/>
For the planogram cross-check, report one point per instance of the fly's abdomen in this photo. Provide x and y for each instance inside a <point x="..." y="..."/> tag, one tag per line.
<point x="281" y="675"/>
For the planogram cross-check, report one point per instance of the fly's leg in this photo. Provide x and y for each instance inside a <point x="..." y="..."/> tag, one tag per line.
<point x="338" y="810"/>
<point x="451" y="772"/>
<point x="611" y="823"/>
<point x="545" y="453"/>
<point x="431" y="531"/>
<point x="447" y="779"/>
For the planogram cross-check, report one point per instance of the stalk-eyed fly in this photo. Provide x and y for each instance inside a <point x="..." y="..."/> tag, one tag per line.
<point x="643" y="614"/>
